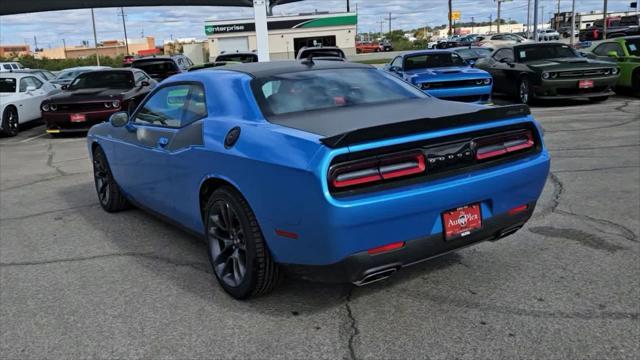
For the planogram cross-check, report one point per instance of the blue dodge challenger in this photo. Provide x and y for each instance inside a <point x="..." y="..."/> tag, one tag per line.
<point x="325" y="170"/>
<point x="443" y="74"/>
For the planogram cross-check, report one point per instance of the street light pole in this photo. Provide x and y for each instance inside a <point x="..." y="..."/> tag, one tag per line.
<point x="528" y="19"/>
<point x="124" y="26"/>
<point x="450" y="18"/>
<point x="95" y="37"/>
<point x="604" y="21"/>
<point x="499" y="4"/>
<point x="535" y="20"/>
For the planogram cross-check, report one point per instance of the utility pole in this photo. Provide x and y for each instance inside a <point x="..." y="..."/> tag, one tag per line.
<point x="349" y="7"/>
<point x="473" y="20"/>
<point x="450" y="17"/>
<point x="381" y="22"/>
<point x="528" y="19"/>
<point x="558" y="17"/>
<point x="95" y="37"/>
<point x="390" y="18"/>
<point x="35" y="43"/>
<point x="124" y="26"/>
<point x="604" y="21"/>
<point x="490" y="21"/>
<point x="573" y="23"/>
<point x="499" y="5"/>
<point x="541" y="14"/>
<point x="535" y="20"/>
<point x="64" y="46"/>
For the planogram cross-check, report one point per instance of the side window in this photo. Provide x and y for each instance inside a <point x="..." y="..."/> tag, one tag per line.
<point x="140" y="77"/>
<point x="600" y="50"/>
<point x="6" y="66"/>
<point x="25" y="82"/>
<point x="173" y="106"/>
<point x="503" y="54"/>
<point x="397" y="62"/>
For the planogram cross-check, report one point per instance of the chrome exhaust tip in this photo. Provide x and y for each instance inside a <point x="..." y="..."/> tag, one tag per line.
<point x="376" y="276"/>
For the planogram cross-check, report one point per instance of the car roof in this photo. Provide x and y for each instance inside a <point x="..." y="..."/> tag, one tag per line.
<point x="14" y="74"/>
<point x="238" y="53"/>
<point x="427" y="52"/>
<point x="271" y="68"/>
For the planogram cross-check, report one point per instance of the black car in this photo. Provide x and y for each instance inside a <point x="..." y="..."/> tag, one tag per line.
<point x="472" y="53"/>
<point x="548" y="71"/>
<point x="321" y="53"/>
<point x="94" y="96"/>
<point x="238" y="57"/>
<point x="161" y="67"/>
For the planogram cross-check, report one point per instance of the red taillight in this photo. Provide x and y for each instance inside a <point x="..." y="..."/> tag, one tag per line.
<point x="518" y="209"/>
<point x="385" y="248"/>
<point x="490" y="147"/>
<point x="373" y="170"/>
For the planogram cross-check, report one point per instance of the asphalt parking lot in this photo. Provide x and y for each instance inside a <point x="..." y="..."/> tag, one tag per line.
<point x="76" y="282"/>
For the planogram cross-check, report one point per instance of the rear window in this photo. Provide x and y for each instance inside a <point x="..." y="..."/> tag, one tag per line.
<point x="322" y="53"/>
<point x="242" y="58"/>
<point x="325" y="89"/>
<point x="162" y="67"/>
<point x="426" y="61"/>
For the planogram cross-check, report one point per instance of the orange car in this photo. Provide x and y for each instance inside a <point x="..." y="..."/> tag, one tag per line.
<point x="368" y="47"/>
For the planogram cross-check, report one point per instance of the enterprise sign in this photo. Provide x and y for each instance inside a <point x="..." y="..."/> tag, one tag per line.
<point x="223" y="29"/>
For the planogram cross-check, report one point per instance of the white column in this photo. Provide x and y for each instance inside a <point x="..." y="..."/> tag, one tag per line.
<point x="262" y="34"/>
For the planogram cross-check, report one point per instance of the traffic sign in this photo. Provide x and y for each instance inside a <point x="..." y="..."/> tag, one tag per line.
<point x="455" y="15"/>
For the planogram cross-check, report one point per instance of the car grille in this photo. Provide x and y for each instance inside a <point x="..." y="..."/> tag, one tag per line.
<point x="94" y="106"/>
<point x="583" y="73"/>
<point x="449" y="84"/>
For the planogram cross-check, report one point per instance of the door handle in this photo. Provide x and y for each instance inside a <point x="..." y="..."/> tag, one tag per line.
<point x="163" y="142"/>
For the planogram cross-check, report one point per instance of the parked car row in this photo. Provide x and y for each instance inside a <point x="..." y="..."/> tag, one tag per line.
<point x="526" y="71"/>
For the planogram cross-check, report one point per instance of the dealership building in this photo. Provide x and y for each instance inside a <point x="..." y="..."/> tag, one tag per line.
<point x="287" y="34"/>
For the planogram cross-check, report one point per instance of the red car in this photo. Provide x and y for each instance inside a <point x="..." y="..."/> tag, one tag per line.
<point x="368" y="47"/>
<point x="93" y="96"/>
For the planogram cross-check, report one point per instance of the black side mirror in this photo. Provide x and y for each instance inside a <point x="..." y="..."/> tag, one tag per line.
<point x="64" y="87"/>
<point x="144" y="83"/>
<point x="119" y="119"/>
<point x="395" y="69"/>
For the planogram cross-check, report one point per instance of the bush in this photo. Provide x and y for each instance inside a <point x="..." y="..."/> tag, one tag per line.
<point x="31" y="62"/>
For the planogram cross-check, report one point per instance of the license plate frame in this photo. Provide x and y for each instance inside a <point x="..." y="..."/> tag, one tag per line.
<point x="461" y="221"/>
<point x="77" y="118"/>
<point x="585" y="84"/>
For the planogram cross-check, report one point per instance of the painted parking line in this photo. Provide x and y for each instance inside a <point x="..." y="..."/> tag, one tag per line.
<point x="31" y="138"/>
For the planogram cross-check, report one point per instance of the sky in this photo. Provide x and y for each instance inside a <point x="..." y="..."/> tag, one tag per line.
<point x="188" y="21"/>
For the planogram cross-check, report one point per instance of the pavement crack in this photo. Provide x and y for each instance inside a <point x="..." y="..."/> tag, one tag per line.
<point x="579" y="236"/>
<point x="353" y="323"/>
<point x="597" y="169"/>
<point x="593" y="128"/>
<point x="145" y="255"/>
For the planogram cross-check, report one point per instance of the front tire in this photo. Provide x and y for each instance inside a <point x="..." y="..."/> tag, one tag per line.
<point x="238" y="253"/>
<point x="525" y="92"/>
<point x="109" y="195"/>
<point x="10" y="122"/>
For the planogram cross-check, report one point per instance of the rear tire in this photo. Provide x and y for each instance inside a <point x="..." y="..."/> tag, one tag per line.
<point x="238" y="253"/>
<point x="109" y="195"/>
<point x="10" y="122"/>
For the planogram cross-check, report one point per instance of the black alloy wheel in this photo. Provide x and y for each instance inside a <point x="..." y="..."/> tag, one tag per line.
<point x="10" y="123"/>
<point x="524" y="91"/>
<point x="109" y="194"/>
<point x="238" y="253"/>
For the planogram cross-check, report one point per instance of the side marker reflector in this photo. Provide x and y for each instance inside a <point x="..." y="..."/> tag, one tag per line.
<point x="50" y="131"/>
<point x="286" y="234"/>
<point x="518" y="209"/>
<point x="385" y="248"/>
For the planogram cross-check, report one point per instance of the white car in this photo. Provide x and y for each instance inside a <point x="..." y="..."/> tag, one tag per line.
<point x="20" y="97"/>
<point x="498" y="40"/>
<point x="548" y="35"/>
<point x="10" y="66"/>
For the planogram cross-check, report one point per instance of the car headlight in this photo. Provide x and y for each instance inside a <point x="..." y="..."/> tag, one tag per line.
<point x="115" y="103"/>
<point x="553" y="75"/>
<point x="107" y="105"/>
<point x="53" y="107"/>
<point x="486" y="81"/>
<point x="614" y="71"/>
<point x="45" y="107"/>
<point x="545" y="75"/>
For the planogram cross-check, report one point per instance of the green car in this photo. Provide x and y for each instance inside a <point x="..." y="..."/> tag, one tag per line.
<point x="625" y="51"/>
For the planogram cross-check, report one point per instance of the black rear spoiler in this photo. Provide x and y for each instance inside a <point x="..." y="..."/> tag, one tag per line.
<point x="395" y="129"/>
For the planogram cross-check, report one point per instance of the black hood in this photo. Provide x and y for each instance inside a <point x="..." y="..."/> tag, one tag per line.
<point x="96" y="94"/>
<point x="571" y="63"/>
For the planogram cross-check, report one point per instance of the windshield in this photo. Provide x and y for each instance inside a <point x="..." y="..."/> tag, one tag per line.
<point x="325" y="89"/>
<point x="68" y="75"/>
<point x="427" y="61"/>
<point x="103" y="79"/>
<point x="157" y="67"/>
<point x="7" y="85"/>
<point x="537" y="52"/>
<point x="633" y="46"/>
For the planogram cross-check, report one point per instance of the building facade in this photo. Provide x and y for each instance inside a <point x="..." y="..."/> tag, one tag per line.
<point x="107" y="48"/>
<point x="287" y="34"/>
<point x="584" y="20"/>
<point x="7" y="51"/>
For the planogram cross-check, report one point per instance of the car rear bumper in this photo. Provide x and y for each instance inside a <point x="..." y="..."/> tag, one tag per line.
<point x="568" y="89"/>
<point x="57" y="122"/>
<point x="363" y="268"/>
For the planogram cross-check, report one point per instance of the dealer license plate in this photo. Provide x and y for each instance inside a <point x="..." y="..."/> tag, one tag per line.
<point x="462" y="221"/>
<point x="77" y="118"/>
<point x="585" y="84"/>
